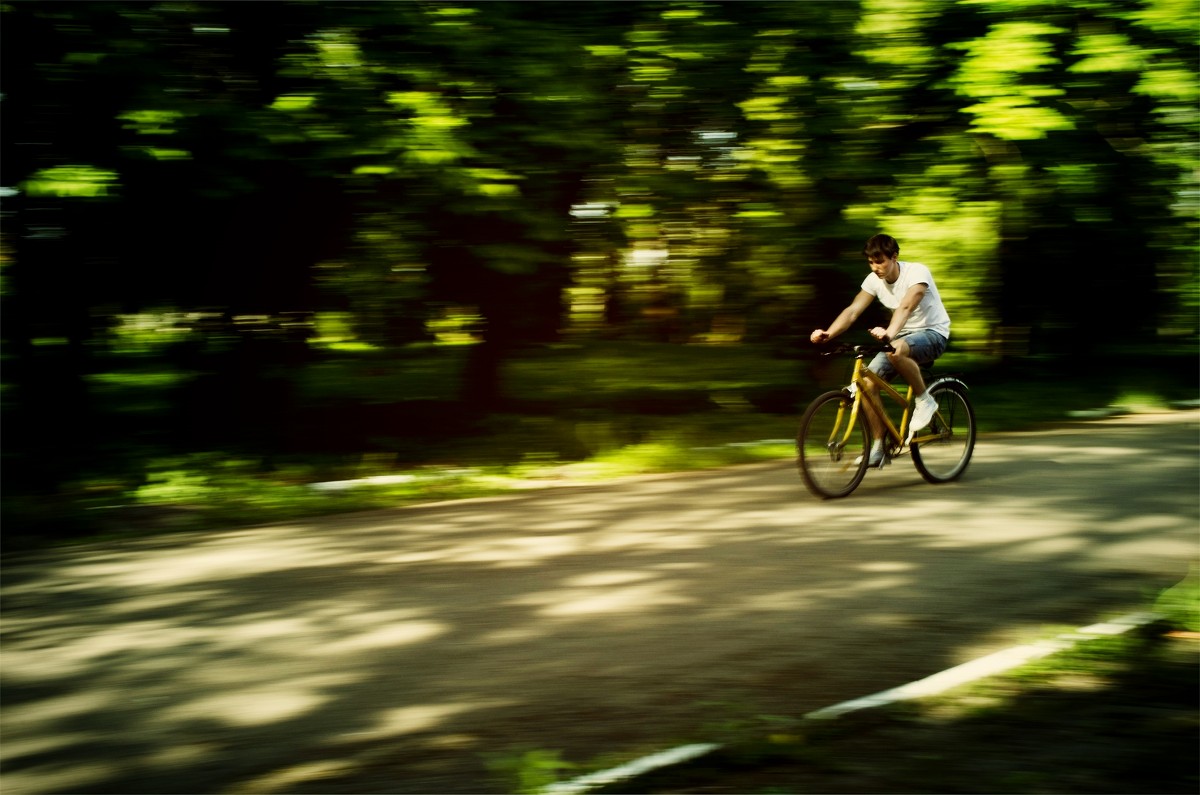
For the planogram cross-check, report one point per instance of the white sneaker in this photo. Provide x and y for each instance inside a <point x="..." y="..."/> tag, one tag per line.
<point x="875" y="460"/>
<point x="923" y="410"/>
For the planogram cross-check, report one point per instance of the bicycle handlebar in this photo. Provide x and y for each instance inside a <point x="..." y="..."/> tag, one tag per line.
<point x="879" y="347"/>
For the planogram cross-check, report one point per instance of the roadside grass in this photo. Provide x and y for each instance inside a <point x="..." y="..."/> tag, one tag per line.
<point x="573" y="413"/>
<point x="1120" y="717"/>
<point x="1117" y="714"/>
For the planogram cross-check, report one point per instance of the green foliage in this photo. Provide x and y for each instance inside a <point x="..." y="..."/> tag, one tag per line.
<point x="530" y="772"/>
<point x="1000" y="71"/>
<point x="1127" y="705"/>
<point x="207" y="490"/>
<point x="671" y="456"/>
<point x="577" y="413"/>
<point x="71" y="182"/>
<point x="504" y="173"/>
<point x="1180" y="604"/>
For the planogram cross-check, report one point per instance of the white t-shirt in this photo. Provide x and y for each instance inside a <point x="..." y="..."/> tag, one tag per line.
<point x="929" y="314"/>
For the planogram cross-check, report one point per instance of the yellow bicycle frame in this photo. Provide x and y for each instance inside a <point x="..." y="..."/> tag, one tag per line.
<point x="861" y="376"/>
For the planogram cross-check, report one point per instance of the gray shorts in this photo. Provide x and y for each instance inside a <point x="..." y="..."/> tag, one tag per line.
<point x="924" y="347"/>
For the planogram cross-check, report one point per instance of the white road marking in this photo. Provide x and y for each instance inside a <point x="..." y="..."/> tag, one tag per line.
<point x="989" y="665"/>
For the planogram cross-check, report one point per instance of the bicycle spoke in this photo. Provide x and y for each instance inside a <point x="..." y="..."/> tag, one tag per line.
<point x="943" y="452"/>
<point x="830" y="453"/>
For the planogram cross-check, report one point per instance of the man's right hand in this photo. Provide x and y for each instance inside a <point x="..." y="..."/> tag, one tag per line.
<point x="819" y="335"/>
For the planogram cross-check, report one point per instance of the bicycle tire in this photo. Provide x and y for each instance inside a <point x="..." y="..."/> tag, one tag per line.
<point x="829" y="468"/>
<point x="946" y="458"/>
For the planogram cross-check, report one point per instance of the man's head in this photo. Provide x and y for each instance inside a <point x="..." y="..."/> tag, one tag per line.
<point x="881" y="252"/>
<point x="881" y="248"/>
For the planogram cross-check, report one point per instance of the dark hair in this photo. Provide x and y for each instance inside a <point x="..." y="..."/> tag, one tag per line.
<point x="881" y="247"/>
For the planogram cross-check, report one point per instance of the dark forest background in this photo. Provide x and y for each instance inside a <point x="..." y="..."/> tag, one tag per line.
<point x="301" y="233"/>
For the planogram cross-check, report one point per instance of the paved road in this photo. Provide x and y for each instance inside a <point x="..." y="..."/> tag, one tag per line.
<point x="395" y="651"/>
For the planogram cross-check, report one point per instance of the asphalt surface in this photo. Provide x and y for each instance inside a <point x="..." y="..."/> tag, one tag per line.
<point x="406" y="651"/>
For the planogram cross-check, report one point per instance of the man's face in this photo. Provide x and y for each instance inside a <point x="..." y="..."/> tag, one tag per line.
<point x="881" y="266"/>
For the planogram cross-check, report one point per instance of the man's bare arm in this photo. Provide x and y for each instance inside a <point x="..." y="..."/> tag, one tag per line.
<point x="907" y="304"/>
<point x="846" y="319"/>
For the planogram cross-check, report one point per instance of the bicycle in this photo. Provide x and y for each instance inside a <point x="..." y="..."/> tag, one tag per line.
<point x="834" y="441"/>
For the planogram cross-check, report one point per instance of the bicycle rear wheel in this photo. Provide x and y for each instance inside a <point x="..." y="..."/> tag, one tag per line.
<point x="830" y="454"/>
<point x="942" y="451"/>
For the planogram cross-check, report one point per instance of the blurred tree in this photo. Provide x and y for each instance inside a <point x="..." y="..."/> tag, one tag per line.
<point x="146" y="179"/>
<point x="683" y="170"/>
<point x="1044" y="158"/>
<point x="466" y="154"/>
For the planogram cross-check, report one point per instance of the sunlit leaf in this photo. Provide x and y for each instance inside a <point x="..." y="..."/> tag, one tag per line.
<point x="293" y="102"/>
<point x="492" y="174"/>
<point x="73" y="181"/>
<point x="439" y="122"/>
<point x="757" y="214"/>
<point x="338" y="49"/>
<point x="151" y="122"/>
<point x="498" y="189"/>
<point x="1106" y="52"/>
<point x="431" y="156"/>
<point x="1179" y="85"/>
<point x="651" y="72"/>
<point x="894" y="32"/>
<point x="605" y="50"/>
<point x="375" y="170"/>
<point x="1008" y="50"/>
<point x="635" y="211"/>
<point x="682" y="13"/>
<point x="168" y="154"/>
<point x="452" y="11"/>
<point x="1016" y="118"/>
<point x="999" y="70"/>
<point x="1168" y="16"/>
<point x="410" y="99"/>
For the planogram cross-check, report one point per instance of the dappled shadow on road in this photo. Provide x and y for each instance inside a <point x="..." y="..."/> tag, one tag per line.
<point x="393" y="651"/>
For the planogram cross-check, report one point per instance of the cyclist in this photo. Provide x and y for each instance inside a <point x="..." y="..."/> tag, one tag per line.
<point x="919" y="329"/>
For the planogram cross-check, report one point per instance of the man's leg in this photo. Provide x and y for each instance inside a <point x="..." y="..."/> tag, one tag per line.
<point x="881" y="367"/>
<point x="908" y="369"/>
<point x="873" y="421"/>
<point x="924" y="406"/>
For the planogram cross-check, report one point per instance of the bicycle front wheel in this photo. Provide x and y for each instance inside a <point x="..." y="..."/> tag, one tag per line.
<point x="830" y="452"/>
<point x="942" y="451"/>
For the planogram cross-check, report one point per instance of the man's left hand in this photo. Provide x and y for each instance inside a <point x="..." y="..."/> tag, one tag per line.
<point x="880" y="333"/>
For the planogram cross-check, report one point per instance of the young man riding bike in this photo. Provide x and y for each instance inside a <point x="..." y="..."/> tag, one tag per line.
<point x="919" y="329"/>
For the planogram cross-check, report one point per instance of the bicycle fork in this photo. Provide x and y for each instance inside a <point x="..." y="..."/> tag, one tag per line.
<point x="836" y="446"/>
